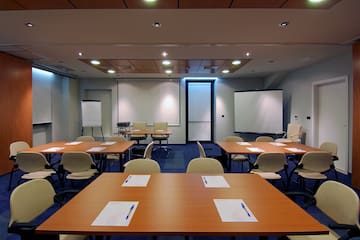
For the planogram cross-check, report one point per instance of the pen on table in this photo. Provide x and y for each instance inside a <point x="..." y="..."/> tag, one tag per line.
<point x="128" y="179"/>
<point x="247" y="212"/>
<point x="130" y="210"/>
<point x="205" y="180"/>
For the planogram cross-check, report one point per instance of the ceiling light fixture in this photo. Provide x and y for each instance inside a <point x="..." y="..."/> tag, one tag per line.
<point x="247" y="54"/>
<point x="164" y="54"/>
<point x="95" y="62"/>
<point x="111" y="71"/>
<point x="29" y="24"/>
<point x="168" y="71"/>
<point x="156" y="24"/>
<point x="80" y="54"/>
<point x="166" y="62"/>
<point x="315" y="1"/>
<point x="284" y="24"/>
<point x="236" y="62"/>
<point x="225" y="71"/>
<point x="150" y="1"/>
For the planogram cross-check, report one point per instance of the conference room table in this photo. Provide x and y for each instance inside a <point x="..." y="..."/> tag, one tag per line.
<point x="256" y="148"/>
<point x="95" y="148"/>
<point x="181" y="204"/>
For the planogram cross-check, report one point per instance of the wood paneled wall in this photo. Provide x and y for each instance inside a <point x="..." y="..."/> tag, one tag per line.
<point x="356" y="117"/>
<point x="15" y="105"/>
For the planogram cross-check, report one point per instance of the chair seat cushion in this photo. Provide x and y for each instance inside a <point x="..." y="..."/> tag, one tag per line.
<point x="239" y="157"/>
<point x="330" y="236"/>
<point x="312" y="175"/>
<point x="267" y="175"/>
<point x="82" y="175"/>
<point x="38" y="174"/>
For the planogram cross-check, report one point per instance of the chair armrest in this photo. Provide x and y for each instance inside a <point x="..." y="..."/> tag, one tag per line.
<point x="22" y="228"/>
<point x="310" y="202"/>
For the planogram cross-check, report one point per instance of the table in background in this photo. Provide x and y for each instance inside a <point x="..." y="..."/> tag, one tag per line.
<point x="179" y="204"/>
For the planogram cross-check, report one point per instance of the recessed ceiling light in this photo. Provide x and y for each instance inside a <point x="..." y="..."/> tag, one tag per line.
<point x="95" y="62"/>
<point x="168" y="71"/>
<point x="166" y="62"/>
<point x="236" y="62"/>
<point x="225" y="71"/>
<point x="29" y="24"/>
<point x="156" y="24"/>
<point x="150" y="1"/>
<point x="80" y="54"/>
<point x="283" y="24"/>
<point x="164" y="54"/>
<point x="315" y="1"/>
<point x="111" y="71"/>
<point x="247" y="54"/>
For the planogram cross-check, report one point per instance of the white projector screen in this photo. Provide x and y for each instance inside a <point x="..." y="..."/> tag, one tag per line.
<point x="258" y="111"/>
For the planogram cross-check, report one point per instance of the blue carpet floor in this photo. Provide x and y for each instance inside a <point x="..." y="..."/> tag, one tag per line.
<point x="173" y="160"/>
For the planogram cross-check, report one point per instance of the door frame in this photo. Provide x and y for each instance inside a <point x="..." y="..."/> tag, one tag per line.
<point x="212" y="107"/>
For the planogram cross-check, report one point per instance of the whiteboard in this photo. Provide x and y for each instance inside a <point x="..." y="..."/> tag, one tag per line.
<point x="149" y="101"/>
<point x="258" y="111"/>
<point x="91" y="113"/>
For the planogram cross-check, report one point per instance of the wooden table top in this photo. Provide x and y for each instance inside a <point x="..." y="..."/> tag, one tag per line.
<point x="179" y="204"/>
<point x="61" y="147"/>
<point x="237" y="148"/>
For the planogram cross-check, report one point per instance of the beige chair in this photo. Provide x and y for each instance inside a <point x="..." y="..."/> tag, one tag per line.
<point x="142" y="165"/>
<point x="15" y="148"/>
<point x="202" y="153"/>
<point x="147" y="154"/>
<point x="85" y="139"/>
<point x="331" y="147"/>
<point x="111" y="158"/>
<point x="138" y="126"/>
<point x="341" y="204"/>
<point x="77" y="166"/>
<point x="205" y="165"/>
<point x="269" y="165"/>
<point x="34" y="165"/>
<point x="237" y="157"/>
<point x="160" y="127"/>
<point x="264" y="139"/>
<point x="312" y="166"/>
<point x="293" y="133"/>
<point x="27" y="202"/>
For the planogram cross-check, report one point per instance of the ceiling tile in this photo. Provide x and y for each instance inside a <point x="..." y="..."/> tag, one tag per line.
<point x="45" y="4"/>
<point x="103" y="4"/>
<point x="204" y="4"/>
<point x="257" y="3"/>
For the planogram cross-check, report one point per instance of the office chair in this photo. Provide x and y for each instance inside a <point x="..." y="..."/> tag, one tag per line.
<point x="264" y="139"/>
<point x="331" y="148"/>
<point x="205" y="165"/>
<point x="115" y="157"/>
<point x="142" y="165"/>
<point x="34" y="165"/>
<point x="15" y="147"/>
<point x="138" y="126"/>
<point x="293" y="133"/>
<point x="160" y="128"/>
<point x="28" y="201"/>
<point x="340" y="203"/>
<point x="241" y="158"/>
<point x="77" y="166"/>
<point x="85" y="139"/>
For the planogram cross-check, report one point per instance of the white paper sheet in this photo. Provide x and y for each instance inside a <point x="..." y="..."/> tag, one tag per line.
<point x="53" y="149"/>
<point x="255" y="149"/>
<point x="108" y="143"/>
<point x="278" y="144"/>
<point x="73" y="143"/>
<point x="295" y="150"/>
<point x="116" y="213"/>
<point x="244" y="143"/>
<point x="95" y="149"/>
<point x="215" y="182"/>
<point x="234" y="210"/>
<point x="136" y="181"/>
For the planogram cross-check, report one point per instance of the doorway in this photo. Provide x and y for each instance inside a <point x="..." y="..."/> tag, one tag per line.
<point x="200" y="109"/>
<point x="331" y="117"/>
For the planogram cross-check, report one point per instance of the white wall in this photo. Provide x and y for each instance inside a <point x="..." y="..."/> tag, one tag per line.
<point x="298" y="91"/>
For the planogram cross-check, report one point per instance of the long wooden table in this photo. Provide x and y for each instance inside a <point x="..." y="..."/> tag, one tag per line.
<point x="256" y="148"/>
<point x="89" y="147"/>
<point x="179" y="204"/>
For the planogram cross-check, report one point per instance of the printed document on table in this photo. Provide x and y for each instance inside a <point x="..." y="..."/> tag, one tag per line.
<point x="278" y="144"/>
<point x="108" y="143"/>
<point x="215" y="182"/>
<point x="295" y="149"/>
<point x="73" y="143"/>
<point x="255" y="149"/>
<point x="244" y="143"/>
<point x="95" y="149"/>
<point x="116" y="213"/>
<point x="136" y="181"/>
<point x="234" y="210"/>
<point x="53" y="149"/>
